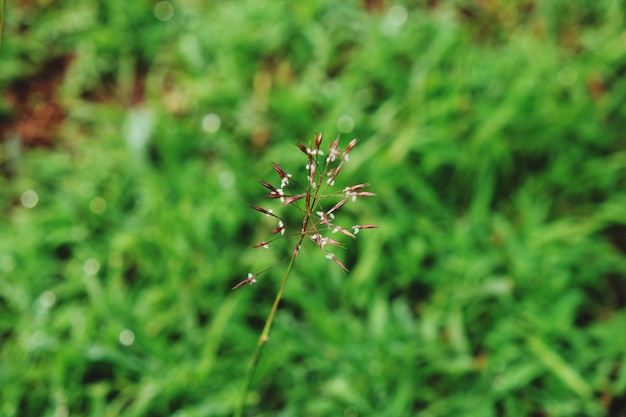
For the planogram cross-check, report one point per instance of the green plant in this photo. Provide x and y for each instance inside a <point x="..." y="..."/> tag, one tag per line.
<point x="2" y="8"/>
<point x="313" y="220"/>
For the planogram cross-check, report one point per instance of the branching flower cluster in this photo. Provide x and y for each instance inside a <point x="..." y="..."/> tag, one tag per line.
<point x="310" y="199"/>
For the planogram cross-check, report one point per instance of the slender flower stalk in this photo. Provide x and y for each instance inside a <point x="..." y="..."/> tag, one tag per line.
<point x="262" y="339"/>
<point x="309" y="199"/>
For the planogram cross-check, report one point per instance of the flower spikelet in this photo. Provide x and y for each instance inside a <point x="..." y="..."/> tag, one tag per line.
<point x="316" y="201"/>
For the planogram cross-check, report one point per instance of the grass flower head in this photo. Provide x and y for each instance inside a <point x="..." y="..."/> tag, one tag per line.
<point x="316" y="200"/>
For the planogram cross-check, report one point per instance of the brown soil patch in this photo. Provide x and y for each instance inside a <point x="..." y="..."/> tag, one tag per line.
<point x="35" y="110"/>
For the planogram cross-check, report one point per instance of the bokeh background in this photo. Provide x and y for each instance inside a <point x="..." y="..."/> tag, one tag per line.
<point x="133" y="136"/>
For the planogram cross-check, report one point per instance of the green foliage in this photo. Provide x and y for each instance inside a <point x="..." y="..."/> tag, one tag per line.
<point x="492" y="133"/>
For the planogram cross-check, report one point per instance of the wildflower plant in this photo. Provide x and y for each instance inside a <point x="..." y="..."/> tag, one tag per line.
<point x="317" y="202"/>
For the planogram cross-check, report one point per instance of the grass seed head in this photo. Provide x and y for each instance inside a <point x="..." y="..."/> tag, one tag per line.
<point x="310" y="200"/>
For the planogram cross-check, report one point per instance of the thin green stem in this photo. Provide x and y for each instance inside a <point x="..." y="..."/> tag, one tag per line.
<point x="262" y="339"/>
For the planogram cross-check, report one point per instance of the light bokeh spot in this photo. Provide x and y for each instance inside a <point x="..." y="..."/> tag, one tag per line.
<point x="393" y="21"/>
<point x="47" y="299"/>
<point x="397" y="15"/>
<point x="164" y="11"/>
<point x="345" y="124"/>
<point x="211" y="123"/>
<point x="91" y="266"/>
<point x="29" y="199"/>
<point x="97" y="205"/>
<point x="127" y="337"/>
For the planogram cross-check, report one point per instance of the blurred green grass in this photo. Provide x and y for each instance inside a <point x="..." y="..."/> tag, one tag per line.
<point x="492" y="133"/>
